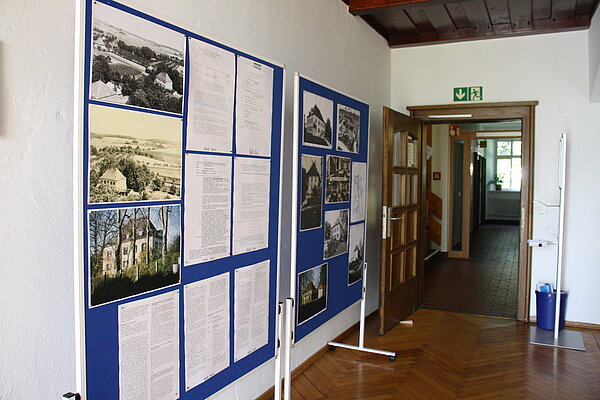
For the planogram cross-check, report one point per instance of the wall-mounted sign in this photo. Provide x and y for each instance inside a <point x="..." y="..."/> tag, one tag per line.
<point x="454" y="130"/>
<point x="468" y="93"/>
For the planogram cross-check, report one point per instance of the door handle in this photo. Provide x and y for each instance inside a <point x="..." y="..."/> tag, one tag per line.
<point x="396" y="218"/>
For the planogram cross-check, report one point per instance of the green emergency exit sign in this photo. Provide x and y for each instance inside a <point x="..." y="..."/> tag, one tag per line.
<point x="468" y="93"/>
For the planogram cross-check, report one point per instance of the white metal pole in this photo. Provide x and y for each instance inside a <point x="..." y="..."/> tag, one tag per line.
<point x="78" y="250"/>
<point x="278" y="341"/>
<point x="295" y="170"/>
<point x="363" y="300"/>
<point x="561" y="228"/>
<point x="289" y="318"/>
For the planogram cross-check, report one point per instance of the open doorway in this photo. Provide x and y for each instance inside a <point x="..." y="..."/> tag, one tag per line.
<point x="476" y="177"/>
<point x="478" y="207"/>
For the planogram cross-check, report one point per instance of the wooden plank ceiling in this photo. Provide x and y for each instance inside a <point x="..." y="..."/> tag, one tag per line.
<point x="420" y="22"/>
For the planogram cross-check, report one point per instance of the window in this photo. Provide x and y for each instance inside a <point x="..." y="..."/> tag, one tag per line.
<point x="508" y="163"/>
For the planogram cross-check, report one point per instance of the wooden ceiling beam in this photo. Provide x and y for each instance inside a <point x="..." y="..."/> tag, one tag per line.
<point x="419" y="22"/>
<point x="361" y="7"/>
<point x="501" y="30"/>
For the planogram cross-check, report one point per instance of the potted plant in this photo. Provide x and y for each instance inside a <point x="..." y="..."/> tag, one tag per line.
<point x="497" y="182"/>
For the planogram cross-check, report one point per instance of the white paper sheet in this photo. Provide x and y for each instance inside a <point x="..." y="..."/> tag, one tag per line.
<point x="207" y="217"/>
<point x="149" y="348"/>
<point x="254" y="108"/>
<point x="211" y="91"/>
<point x="251" y="182"/>
<point x="251" y="316"/>
<point x="206" y="322"/>
<point x="358" y="201"/>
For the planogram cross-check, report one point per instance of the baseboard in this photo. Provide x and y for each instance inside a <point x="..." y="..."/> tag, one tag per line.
<point x="574" y="324"/>
<point x="440" y="255"/>
<point x="270" y="393"/>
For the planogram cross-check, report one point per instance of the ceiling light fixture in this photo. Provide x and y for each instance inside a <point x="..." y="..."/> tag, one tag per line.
<point x="451" y="116"/>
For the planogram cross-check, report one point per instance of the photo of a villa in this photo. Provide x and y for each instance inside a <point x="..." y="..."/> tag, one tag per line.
<point x="348" y="129"/>
<point x="312" y="289"/>
<point x="317" y="117"/>
<point x="356" y="253"/>
<point x="312" y="192"/>
<point x="132" y="251"/>
<point x="336" y="233"/>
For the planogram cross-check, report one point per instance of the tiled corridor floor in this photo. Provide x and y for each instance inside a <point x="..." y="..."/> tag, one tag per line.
<point x="486" y="283"/>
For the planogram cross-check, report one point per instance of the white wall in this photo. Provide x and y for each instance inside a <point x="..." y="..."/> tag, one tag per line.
<point x="318" y="38"/>
<point x="553" y="69"/>
<point x="37" y="355"/>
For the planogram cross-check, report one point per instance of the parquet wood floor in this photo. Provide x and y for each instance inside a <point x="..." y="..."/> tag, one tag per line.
<point x="447" y="356"/>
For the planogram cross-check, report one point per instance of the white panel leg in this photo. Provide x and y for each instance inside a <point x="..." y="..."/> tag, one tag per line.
<point x="289" y="318"/>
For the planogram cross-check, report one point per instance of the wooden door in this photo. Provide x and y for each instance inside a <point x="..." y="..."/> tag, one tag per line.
<point x="401" y="252"/>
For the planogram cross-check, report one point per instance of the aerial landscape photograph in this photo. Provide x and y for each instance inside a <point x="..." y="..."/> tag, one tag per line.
<point x="133" y="156"/>
<point x="136" y="62"/>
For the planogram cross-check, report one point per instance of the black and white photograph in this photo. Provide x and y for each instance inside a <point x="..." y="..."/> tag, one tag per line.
<point x="337" y="187"/>
<point x="133" y="251"/>
<point x="312" y="192"/>
<point x="312" y="292"/>
<point x="133" y="156"/>
<point x="356" y="253"/>
<point x="336" y="233"/>
<point x="348" y="129"/>
<point x="317" y="117"/>
<point x="135" y="61"/>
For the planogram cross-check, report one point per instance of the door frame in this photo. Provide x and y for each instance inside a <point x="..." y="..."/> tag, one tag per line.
<point x="465" y="240"/>
<point x="474" y="112"/>
<point x="467" y="194"/>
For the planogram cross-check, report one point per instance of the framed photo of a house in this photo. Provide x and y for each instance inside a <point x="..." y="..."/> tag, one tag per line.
<point x="132" y="251"/>
<point x="337" y="187"/>
<point x="348" y="129"/>
<point x="133" y="156"/>
<point x="356" y="253"/>
<point x="136" y="62"/>
<point x="311" y="209"/>
<point x="312" y="292"/>
<point x="336" y="233"/>
<point x="317" y="117"/>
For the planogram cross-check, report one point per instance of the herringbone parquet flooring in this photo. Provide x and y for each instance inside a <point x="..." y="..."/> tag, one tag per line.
<point x="454" y="356"/>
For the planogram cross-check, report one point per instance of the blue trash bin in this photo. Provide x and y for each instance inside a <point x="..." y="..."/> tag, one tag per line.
<point x="546" y="309"/>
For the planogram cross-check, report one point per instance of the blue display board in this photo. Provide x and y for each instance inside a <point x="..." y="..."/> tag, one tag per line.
<point x="143" y="83"/>
<point x="332" y="129"/>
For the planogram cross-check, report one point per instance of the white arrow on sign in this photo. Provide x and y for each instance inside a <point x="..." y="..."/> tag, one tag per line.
<point x="460" y="94"/>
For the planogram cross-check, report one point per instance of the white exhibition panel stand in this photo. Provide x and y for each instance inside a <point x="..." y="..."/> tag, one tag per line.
<point x="565" y="338"/>
<point x="310" y="239"/>
<point x="97" y="321"/>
